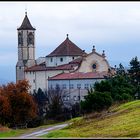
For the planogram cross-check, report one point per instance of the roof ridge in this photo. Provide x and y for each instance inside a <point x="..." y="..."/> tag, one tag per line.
<point x="67" y="48"/>
<point x="26" y="25"/>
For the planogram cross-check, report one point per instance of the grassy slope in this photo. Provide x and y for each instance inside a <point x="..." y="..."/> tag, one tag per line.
<point x="122" y="121"/>
<point x="15" y="133"/>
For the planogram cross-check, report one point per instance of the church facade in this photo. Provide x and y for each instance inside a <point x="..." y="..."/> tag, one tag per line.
<point x="67" y="66"/>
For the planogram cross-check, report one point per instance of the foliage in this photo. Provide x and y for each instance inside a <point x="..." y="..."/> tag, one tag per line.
<point x="96" y="101"/>
<point x="18" y="102"/>
<point x="134" y="73"/>
<point x="5" y="110"/>
<point x="41" y="100"/>
<point x="119" y="87"/>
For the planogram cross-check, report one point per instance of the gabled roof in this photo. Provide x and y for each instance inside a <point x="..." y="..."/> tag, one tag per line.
<point x="42" y="67"/>
<point x="26" y="25"/>
<point x="67" y="48"/>
<point x="79" y="75"/>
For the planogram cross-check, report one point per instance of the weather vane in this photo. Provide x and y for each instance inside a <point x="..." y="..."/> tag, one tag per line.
<point x="25" y="9"/>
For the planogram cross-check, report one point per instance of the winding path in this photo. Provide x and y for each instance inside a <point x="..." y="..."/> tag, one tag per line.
<point x="43" y="132"/>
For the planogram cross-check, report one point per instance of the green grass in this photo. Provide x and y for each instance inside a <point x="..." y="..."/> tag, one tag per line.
<point x="11" y="133"/>
<point x="19" y="132"/>
<point x="122" y="121"/>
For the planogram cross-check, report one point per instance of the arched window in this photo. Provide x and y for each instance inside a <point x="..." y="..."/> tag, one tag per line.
<point x="30" y="38"/>
<point x="20" y="39"/>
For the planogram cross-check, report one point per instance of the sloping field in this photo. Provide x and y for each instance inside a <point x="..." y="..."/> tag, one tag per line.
<point x="119" y="122"/>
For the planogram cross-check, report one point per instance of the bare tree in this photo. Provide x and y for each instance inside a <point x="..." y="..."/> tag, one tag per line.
<point x="56" y="106"/>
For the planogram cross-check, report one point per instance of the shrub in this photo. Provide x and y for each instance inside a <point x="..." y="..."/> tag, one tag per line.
<point x="96" y="101"/>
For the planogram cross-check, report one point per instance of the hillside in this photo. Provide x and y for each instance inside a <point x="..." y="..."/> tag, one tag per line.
<point x="122" y="121"/>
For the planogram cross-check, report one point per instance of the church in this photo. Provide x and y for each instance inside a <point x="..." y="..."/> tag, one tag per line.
<point x="68" y="66"/>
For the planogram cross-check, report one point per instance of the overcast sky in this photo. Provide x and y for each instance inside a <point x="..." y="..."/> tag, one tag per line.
<point x="110" y="26"/>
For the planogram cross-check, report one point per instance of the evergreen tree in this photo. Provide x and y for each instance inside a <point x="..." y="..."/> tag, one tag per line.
<point x="121" y="70"/>
<point x="134" y="71"/>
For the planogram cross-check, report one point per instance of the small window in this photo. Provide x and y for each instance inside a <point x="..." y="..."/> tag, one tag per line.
<point x="19" y="67"/>
<point x="51" y="87"/>
<point x="34" y="80"/>
<point x="78" y="86"/>
<point x="86" y="86"/>
<point x="71" y="86"/>
<point x="64" y="86"/>
<point x="73" y="58"/>
<point x="94" y="66"/>
<point x="64" y="98"/>
<point x="68" y="98"/>
<point x="61" y="59"/>
<point x="34" y="91"/>
<point x="74" y="98"/>
<point x="51" y="59"/>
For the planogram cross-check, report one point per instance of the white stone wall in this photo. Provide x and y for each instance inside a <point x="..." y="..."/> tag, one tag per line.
<point x="86" y="65"/>
<point x="19" y="73"/>
<point x="25" y="52"/>
<point x="56" y="60"/>
<point x="31" y="53"/>
<point x="39" y="79"/>
<point x="40" y="60"/>
<point x="74" y="93"/>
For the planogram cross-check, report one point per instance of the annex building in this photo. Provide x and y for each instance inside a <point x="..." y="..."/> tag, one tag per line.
<point x="67" y="66"/>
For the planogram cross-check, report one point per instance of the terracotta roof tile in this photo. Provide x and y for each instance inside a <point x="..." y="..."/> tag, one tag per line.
<point x="79" y="75"/>
<point x="78" y="60"/>
<point x="67" y="48"/>
<point x="42" y="67"/>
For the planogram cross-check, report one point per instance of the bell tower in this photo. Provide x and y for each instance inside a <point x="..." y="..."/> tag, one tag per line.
<point x="26" y="47"/>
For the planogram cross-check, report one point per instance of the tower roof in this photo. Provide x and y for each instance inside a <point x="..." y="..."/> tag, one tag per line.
<point x="67" y="48"/>
<point x="26" y="25"/>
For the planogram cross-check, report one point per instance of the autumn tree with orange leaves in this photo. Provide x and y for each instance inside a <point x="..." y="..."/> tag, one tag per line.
<point x="16" y="104"/>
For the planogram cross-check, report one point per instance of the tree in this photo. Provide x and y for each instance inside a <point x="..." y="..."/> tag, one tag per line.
<point x="55" y="102"/>
<point x="121" y="70"/>
<point x="21" y="103"/>
<point x="57" y="109"/>
<point x="5" y="110"/>
<point x="134" y="73"/>
<point x="96" y="101"/>
<point x="41" y="100"/>
<point x="134" y="70"/>
<point x="117" y="86"/>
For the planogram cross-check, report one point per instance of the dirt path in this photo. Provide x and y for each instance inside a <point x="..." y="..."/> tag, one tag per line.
<point x="43" y="132"/>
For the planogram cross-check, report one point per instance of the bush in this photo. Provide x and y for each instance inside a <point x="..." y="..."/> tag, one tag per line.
<point x="35" y="122"/>
<point x="96" y="101"/>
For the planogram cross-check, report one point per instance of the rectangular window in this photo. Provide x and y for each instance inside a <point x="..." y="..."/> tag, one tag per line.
<point x="78" y="86"/>
<point x="34" y="91"/>
<point x="86" y="86"/>
<point x="61" y="59"/>
<point x="73" y="58"/>
<point x="64" y="98"/>
<point x="74" y="98"/>
<point x="51" y="87"/>
<point x="71" y="86"/>
<point x="34" y="80"/>
<point x="51" y="59"/>
<point x="64" y="86"/>
<point x="68" y="98"/>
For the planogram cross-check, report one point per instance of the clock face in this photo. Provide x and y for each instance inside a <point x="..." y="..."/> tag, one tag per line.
<point x="94" y="66"/>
